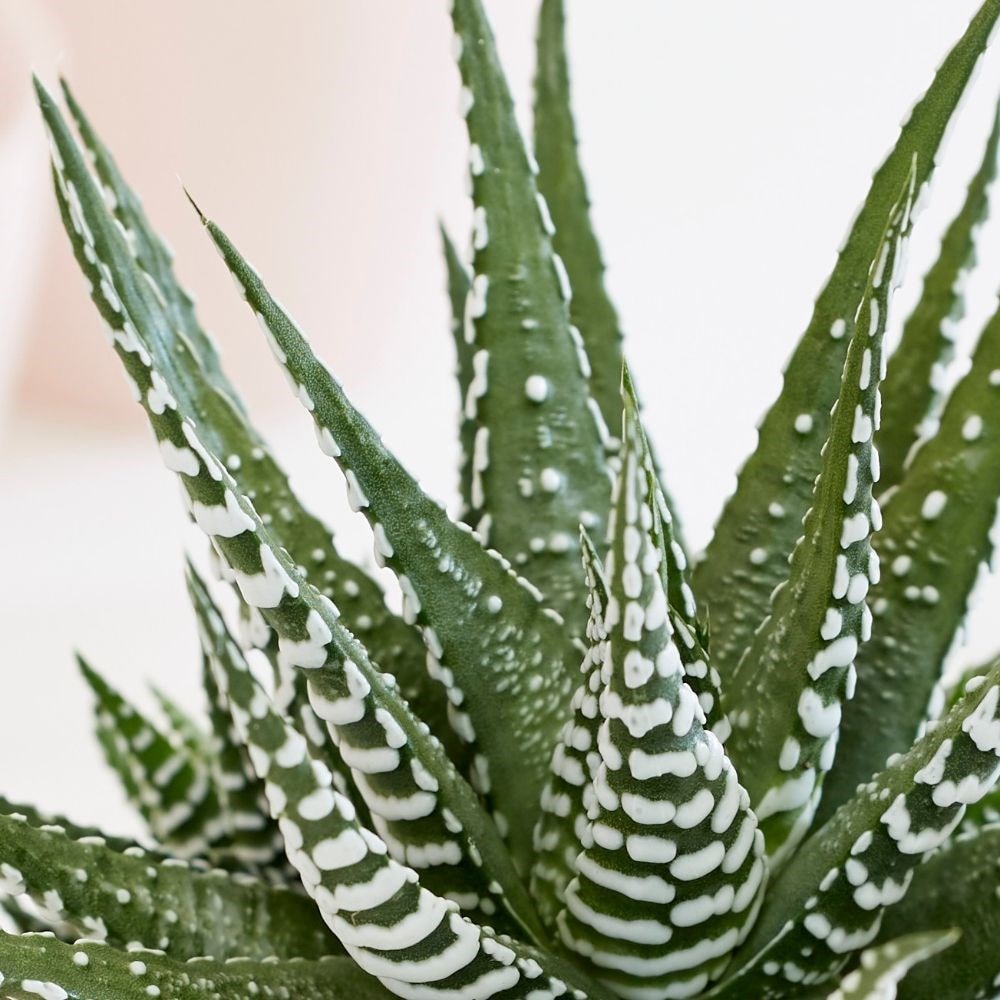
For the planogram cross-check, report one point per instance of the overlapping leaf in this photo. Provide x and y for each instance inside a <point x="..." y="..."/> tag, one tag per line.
<point x="503" y="656"/>
<point x="734" y="586"/>
<point x="418" y="785"/>
<point x="670" y="862"/>
<point x="885" y="967"/>
<point x="34" y="966"/>
<point x="958" y="885"/>
<point x="388" y="920"/>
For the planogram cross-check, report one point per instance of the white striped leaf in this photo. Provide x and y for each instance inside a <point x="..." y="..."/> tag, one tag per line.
<point x="884" y="967"/>
<point x="396" y="928"/>
<point x="783" y="742"/>
<point x="670" y="870"/>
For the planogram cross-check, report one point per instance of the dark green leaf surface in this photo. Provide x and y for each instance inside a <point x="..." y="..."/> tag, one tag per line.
<point x="830" y="897"/>
<point x="783" y="702"/>
<point x="959" y="885"/>
<point x="912" y="390"/>
<point x="734" y="587"/>
<point x="935" y="536"/>
<point x="539" y="454"/>
<point x="36" y="966"/>
<point x="504" y="658"/>
<point x="157" y="903"/>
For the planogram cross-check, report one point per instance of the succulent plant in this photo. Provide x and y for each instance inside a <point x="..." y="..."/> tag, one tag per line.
<point x="548" y="776"/>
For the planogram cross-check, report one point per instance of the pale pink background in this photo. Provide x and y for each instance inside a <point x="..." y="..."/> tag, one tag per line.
<point x="728" y="145"/>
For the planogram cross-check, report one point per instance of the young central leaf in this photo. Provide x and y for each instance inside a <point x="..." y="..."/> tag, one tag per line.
<point x="671" y="865"/>
<point x="784" y="700"/>
<point x="538" y="457"/>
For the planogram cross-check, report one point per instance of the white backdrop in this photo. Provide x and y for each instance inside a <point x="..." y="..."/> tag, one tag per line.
<point x="728" y="146"/>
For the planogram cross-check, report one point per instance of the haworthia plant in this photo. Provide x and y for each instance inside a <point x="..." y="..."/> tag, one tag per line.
<point x="548" y="777"/>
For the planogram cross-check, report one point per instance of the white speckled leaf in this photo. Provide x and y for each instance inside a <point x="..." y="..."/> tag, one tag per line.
<point x="784" y="701"/>
<point x="913" y="383"/>
<point x="787" y="459"/>
<point x="385" y="915"/>
<point x="670" y="871"/>
<point x="830" y="897"/>
<point x="933" y="545"/>
<point x="34" y="966"/>
<point x="884" y="967"/>
<point x="561" y="181"/>
<point x="505" y="659"/>
<point x="395" y="763"/>
<point x="185" y="910"/>
<point x="539" y="458"/>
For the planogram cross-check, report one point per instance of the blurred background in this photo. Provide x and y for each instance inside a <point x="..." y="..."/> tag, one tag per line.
<point x="728" y="145"/>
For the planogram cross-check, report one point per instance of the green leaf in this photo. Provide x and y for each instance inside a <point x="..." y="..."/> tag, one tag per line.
<point x="458" y="291"/>
<point x="157" y="903"/>
<point x="781" y="471"/>
<point x="173" y="338"/>
<point x="399" y="768"/>
<point x="562" y="183"/>
<point x="504" y="658"/>
<point x="886" y="966"/>
<point x="783" y="702"/>
<point x="34" y="966"/>
<point x="912" y="390"/>
<point x="670" y="869"/>
<point x="935" y="537"/>
<point x="169" y="786"/>
<point x="959" y="884"/>
<point x="387" y="918"/>
<point x="539" y="458"/>
<point x="831" y="896"/>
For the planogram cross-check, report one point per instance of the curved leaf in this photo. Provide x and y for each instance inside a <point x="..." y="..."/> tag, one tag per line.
<point x="886" y="966"/>
<point x="784" y="700"/>
<point x="734" y="587"/>
<point x="381" y="727"/>
<point x="390" y="923"/>
<point x="935" y="537"/>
